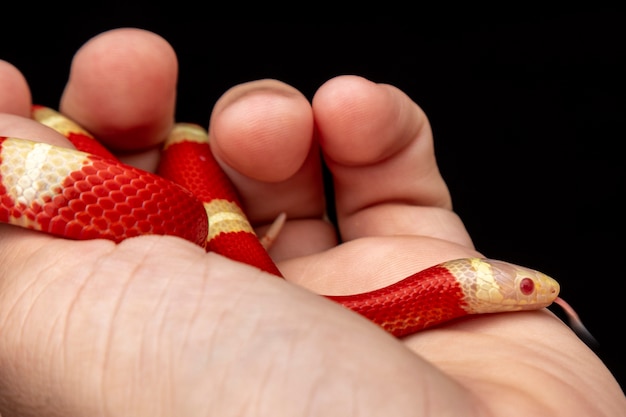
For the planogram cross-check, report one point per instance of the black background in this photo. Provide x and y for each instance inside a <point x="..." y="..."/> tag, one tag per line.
<point x="527" y="110"/>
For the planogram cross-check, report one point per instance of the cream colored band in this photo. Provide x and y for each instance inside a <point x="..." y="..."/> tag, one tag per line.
<point x="225" y="217"/>
<point x="187" y="132"/>
<point x="33" y="174"/>
<point x="58" y="122"/>
<point x="487" y="288"/>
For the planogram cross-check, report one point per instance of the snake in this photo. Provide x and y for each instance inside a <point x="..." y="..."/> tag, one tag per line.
<point x="87" y="193"/>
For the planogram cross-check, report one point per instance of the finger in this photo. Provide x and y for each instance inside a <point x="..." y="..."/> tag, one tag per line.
<point x="26" y="128"/>
<point x="122" y="88"/>
<point x="378" y="145"/>
<point x="262" y="134"/>
<point x="15" y="97"/>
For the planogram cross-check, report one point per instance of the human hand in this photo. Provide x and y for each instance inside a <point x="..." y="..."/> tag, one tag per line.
<point x="93" y="328"/>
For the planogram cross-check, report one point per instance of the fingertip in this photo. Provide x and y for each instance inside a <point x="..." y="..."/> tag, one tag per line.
<point x="362" y="122"/>
<point x="122" y="88"/>
<point x="15" y="96"/>
<point x="263" y="129"/>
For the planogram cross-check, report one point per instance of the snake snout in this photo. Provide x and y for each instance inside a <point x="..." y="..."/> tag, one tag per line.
<point x="522" y="288"/>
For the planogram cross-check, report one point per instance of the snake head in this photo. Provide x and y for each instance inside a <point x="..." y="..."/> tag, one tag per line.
<point x="501" y="286"/>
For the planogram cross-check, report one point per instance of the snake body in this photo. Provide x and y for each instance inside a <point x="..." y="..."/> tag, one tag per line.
<point x="88" y="194"/>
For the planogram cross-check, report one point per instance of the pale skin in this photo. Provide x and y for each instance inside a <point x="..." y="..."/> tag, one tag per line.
<point x="156" y="327"/>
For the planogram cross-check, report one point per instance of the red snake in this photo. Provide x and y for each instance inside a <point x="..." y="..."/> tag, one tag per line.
<point x="89" y="194"/>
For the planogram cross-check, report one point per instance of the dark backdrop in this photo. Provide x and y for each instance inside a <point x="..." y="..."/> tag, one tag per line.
<point x="527" y="112"/>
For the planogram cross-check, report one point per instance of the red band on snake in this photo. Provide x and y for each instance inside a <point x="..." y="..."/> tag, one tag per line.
<point x="88" y="194"/>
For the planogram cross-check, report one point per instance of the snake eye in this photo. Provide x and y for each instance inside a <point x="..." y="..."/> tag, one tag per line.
<point x="527" y="286"/>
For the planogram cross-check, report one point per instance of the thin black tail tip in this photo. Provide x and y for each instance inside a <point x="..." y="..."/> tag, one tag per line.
<point x="585" y="335"/>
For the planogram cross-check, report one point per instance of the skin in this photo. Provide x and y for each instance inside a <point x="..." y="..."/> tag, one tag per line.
<point x="156" y="327"/>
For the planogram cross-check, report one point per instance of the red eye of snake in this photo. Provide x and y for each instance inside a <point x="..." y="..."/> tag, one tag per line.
<point x="527" y="286"/>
